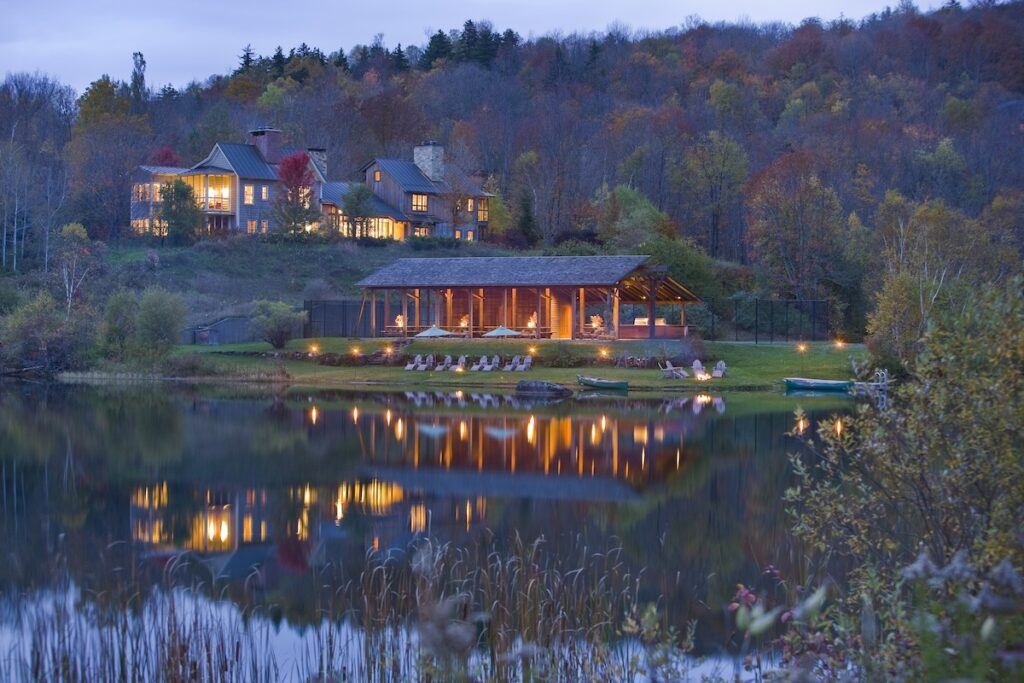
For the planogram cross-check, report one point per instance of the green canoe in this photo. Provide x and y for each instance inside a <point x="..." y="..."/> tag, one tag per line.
<point x="803" y="384"/>
<point x="598" y="383"/>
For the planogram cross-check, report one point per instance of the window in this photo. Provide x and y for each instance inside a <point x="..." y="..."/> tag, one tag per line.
<point x="421" y="231"/>
<point x="469" y="204"/>
<point x="481" y="210"/>
<point x="419" y="202"/>
<point x="250" y="194"/>
<point x="156" y="192"/>
<point x="376" y="176"/>
<point x="251" y="226"/>
<point x="469" y="235"/>
<point x="458" y="234"/>
<point x="264" y="192"/>
<point x="263" y="227"/>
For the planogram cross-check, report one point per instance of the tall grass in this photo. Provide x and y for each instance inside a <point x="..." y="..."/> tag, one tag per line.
<point x="448" y="613"/>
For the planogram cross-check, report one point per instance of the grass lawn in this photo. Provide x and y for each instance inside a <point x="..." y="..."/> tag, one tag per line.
<point x="750" y="366"/>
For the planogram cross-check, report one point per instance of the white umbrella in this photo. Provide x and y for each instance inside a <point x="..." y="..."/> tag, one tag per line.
<point x="434" y="331"/>
<point x="502" y="332"/>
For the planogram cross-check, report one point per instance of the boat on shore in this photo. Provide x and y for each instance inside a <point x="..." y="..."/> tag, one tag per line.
<point x="828" y="385"/>
<point x="606" y="384"/>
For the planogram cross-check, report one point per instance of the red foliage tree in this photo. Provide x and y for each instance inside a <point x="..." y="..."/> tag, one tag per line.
<point x="165" y="156"/>
<point x="294" y="210"/>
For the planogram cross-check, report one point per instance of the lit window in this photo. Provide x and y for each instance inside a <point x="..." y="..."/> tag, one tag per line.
<point x="421" y="231"/>
<point x="469" y="205"/>
<point x="251" y="226"/>
<point x="458" y="234"/>
<point x="263" y="226"/>
<point x="250" y="194"/>
<point x="481" y="210"/>
<point x="156" y="192"/>
<point x="469" y="235"/>
<point x="264" y="192"/>
<point x="419" y="202"/>
<point x="376" y="176"/>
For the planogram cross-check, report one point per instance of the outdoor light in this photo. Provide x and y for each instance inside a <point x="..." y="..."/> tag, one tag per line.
<point x="604" y="353"/>
<point x="532" y="350"/>
<point x="801" y="347"/>
<point x="388" y="350"/>
<point x="314" y="349"/>
<point x="355" y="350"/>
<point x="840" y="343"/>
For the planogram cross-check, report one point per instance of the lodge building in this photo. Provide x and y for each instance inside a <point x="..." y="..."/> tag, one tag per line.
<point x="236" y="184"/>
<point x="558" y="297"/>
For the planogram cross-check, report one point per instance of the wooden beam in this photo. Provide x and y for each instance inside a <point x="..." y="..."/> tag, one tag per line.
<point x="469" y="300"/>
<point x="615" y="312"/>
<point x="652" y="294"/>
<point x="416" y="294"/>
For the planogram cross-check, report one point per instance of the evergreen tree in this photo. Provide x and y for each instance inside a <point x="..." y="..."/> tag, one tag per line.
<point x="246" y="59"/>
<point x="468" y="46"/>
<point x="179" y="212"/>
<point x="398" y="59"/>
<point x="439" y="47"/>
<point x="278" y="62"/>
<point x="340" y="60"/>
<point x="526" y="223"/>
<point x="137" y="87"/>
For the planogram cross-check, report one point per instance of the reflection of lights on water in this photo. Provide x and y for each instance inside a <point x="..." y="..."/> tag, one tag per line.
<point x="531" y="430"/>
<point x="399" y="428"/>
<point x="223" y="531"/>
<point x="463" y="429"/>
<point x="355" y="414"/>
<point x="801" y="425"/>
<point x="839" y="427"/>
<point x="677" y="458"/>
<point x="418" y="518"/>
<point x="604" y="423"/>
<point x="643" y="457"/>
<point x="702" y="399"/>
<point x="458" y="393"/>
<point x="595" y="436"/>
<point x="387" y="417"/>
<point x="313" y="415"/>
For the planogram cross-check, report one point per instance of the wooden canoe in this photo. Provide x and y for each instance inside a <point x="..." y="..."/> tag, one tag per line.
<point x="598" y="383"/>
<point x="804" y="384"/>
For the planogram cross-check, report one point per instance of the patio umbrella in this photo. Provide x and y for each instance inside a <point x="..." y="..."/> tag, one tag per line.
<point x="434" y="331"/>
<point x="502" y="331"/>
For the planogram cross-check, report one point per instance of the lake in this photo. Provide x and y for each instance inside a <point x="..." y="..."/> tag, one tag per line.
<point x="273" y="501"/>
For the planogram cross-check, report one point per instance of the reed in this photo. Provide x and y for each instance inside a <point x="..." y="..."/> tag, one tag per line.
<point x="448" y="613"/>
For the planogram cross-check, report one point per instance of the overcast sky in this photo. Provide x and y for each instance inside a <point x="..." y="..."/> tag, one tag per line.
<point x="185" y="40"/>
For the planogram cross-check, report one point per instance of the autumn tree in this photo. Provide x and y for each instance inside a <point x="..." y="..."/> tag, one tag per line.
<point x="294" y="207"/>
<point x="716" y="168"/>
<point x="179" y="213"/>
<point x="357" y="204"/>
<point x="794" y="226"/>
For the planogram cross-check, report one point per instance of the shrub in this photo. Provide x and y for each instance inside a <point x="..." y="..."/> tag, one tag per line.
<point x="38" y="336"/>
<point x="159" y="324"/>
<point x="188" y="365"/>
<point x="276" y="321"/>
<point x="118" y="328"/>
<point x="9" y="298"/>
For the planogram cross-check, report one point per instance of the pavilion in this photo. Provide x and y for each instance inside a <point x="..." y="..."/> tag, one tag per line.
<point x="559" y="297"/>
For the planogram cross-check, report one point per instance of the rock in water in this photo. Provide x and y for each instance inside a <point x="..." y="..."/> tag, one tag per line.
<point x="540" y="388"/>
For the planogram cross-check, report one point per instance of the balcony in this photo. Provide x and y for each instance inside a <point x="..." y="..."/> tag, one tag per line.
<point x="215" y="204"/>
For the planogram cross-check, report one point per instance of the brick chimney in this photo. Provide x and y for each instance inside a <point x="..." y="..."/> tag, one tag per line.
<point x="268" y="142"/>
<point x="429" y="156"/>
<point x="319" y="157"/>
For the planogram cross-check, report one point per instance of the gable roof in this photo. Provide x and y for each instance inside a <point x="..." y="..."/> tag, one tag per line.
<point x="163" y="170"/>
<point x="411" y="179"/>
<point x="505" y="271"/>
<point x="334" y="193"/>
<point x="247" y="161"/>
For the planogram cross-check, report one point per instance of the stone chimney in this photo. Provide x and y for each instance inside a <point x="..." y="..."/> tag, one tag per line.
<point x="268" y="142"/>
<point x="429" y="156"/>
<point x="319" y="157"/>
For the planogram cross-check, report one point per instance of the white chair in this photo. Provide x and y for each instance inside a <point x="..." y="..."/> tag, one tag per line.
<point x="719" y="370"/>
<point x="512" y="364"/>
<point x="698" y="367"/>
<point x="415" y="362"/>
<point x="525" y="365"/>
<point x="445" y="364"/>
<point x="479" y="365"/>
<point x="460" y="365"/>
<point x="670" y="371"/>
<point x="427" y="363"/>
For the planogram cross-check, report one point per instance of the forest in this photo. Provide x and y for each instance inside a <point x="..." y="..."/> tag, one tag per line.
<point x="847" y="160"/>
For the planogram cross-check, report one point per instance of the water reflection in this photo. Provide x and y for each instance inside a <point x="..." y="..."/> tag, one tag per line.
<point x="691" y="487"/>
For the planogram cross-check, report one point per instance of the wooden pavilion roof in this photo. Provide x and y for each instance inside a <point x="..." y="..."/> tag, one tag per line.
<point x="626" y="272"/>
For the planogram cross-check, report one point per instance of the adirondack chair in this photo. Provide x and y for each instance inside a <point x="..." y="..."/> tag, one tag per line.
<point x="479" y="365"/>
<point x="414" y="362"/>
<point x="719" y="370"/>
<point x="427" y="364"/>
<point x="525" y="365"/>
<point x="445" y="364"/>
<point x="670" y="371"/>
<point x="460" y="365"/>
<point x="512" y="364"/>
<point x="495" y="363"/>
<point x="698" y="367"/>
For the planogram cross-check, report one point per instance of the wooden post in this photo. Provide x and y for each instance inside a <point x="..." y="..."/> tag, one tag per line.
<point x="359" y="318"/>
<point x="573" y="314"/>
<point x="504" y="307"/>
<point x="469" y="300"/>
<point x="416" y="294"/>
<point x="514" y="307"/>
<point x="583" y="310"/>
<point x="448" y="308"/>
<point x="387" y="308"/>
<point x="373" y="313"/>
<point x="615" y="312"/>
<point x="651" y="296"/>
<point x="483" y="321"/>
<point x="536" y="329"/>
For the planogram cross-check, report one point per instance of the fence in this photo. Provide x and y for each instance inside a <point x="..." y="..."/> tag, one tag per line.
<point x="770" y="320"/>
<point x="340" y="318"/>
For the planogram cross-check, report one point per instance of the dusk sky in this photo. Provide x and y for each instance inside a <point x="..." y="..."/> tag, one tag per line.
<point x="189" y="40"/>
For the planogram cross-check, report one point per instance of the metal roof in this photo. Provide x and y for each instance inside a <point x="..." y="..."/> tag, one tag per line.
<point x="408" y="175"/>
<point x="163" y="170"/>
<point x="507" y="271"/>
<point x="247" y="162"/>
<point x="334" y="193"/>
